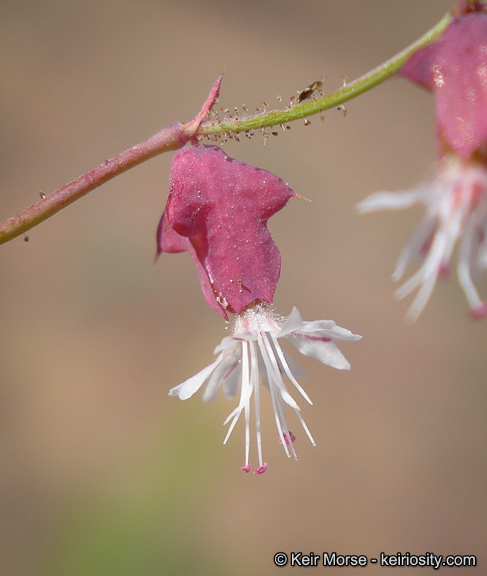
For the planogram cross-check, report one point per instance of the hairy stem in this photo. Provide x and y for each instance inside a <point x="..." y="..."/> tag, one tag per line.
<point x="176" y="135"/>
<point x="316" y="105"/>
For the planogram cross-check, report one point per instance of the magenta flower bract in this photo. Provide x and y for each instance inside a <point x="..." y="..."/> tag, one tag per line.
<point x="217" y="211"/>
<point x="454" y="68"/>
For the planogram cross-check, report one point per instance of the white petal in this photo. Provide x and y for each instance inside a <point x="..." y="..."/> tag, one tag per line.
<point x="295" y="368"/>
<point x="193" y="384"/>
<point x="415" y="244"/>
<point x="222" y="372"/>
<point x="293" y="322"/>
<point x="464" y="269"/>
<point x="326" y="329"/>
<point x="232" y="381"/>
<point x="318" y="325"/>
<point x="421" y="299"/>
<point x="480" y="260"/>
<point x="388" y="201"/>
<point x="326" y="352"/>
<point x="245" y="393"/>
<point x="224" y="344"/>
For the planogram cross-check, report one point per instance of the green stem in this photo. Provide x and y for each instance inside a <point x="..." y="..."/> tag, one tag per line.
<point x="317" y="105"/>
<point x="176" y="135"/>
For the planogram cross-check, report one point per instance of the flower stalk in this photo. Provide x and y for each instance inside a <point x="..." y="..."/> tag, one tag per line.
<point x="316" y="105"/>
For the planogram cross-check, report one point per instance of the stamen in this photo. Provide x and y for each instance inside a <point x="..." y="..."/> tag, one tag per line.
<point x="287" y="370"/>
<point x="272" y="390"/>
<point x="306" y="429"/>
<point x="422" y="298"/>
<point x="272" y="366"/>
<point x="247" y="434"/>
<point x="277" y="417"/>
<point x="245" y="394"/>
<point x="276" y="384"/>
<point x="413" y="248"/>
<point x="254" y="376"/>
<point x="463" y="270"/>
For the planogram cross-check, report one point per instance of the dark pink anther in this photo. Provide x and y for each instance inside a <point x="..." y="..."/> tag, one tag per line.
<point x="261" y="469"/>
<point x="291" y="437"/>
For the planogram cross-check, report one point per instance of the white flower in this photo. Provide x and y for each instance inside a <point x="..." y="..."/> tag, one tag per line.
<point x="456" y="203"/>
<point x="253" y="353"/>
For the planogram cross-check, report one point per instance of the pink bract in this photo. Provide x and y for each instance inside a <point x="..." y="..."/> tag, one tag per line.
<point x="454" y="68"/>
<point x="217" y="211"/>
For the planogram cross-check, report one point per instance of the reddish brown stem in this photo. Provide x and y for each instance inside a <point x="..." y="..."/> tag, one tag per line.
<point x="172" y="137"/>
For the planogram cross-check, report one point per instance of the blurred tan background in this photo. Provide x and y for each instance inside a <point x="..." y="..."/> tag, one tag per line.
<point x="101" y="472"/>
